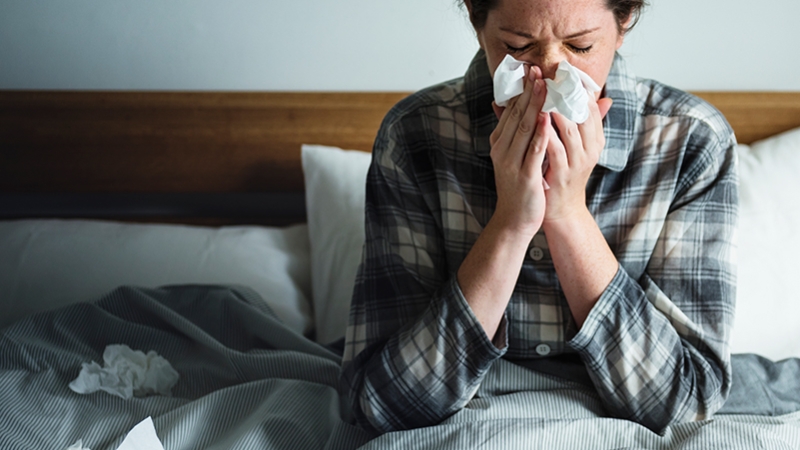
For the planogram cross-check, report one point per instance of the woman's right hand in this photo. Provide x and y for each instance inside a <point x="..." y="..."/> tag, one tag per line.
<point x="518" y="150"/>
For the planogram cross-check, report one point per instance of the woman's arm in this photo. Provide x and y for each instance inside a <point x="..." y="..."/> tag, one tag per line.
<point x="490" y="271"/>
<point x="414" y="351"/>
<point x="656" y="347"/>
<point x="583" y="261"/>
<point x="420" y="340"/>
<point x="582" y="258"/>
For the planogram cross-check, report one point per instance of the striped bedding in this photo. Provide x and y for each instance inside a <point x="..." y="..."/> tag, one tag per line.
<point x="516" y="408"/>
<point x="247" y="381"/>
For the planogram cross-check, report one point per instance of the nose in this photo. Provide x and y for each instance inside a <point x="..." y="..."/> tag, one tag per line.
<point x="548" y="61"/>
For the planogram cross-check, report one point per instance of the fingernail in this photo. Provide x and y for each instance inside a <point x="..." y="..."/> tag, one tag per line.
<point x="537" y="87"/>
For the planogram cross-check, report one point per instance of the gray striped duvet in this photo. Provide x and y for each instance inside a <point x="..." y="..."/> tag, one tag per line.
<point x="249" y="382"/>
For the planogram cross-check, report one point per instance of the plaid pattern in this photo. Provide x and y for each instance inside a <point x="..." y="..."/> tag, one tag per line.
<point x="665" y="197"/>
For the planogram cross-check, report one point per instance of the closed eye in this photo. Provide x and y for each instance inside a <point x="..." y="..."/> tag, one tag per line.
<point x="511" y="49"/>
<point x="581" y="49"/>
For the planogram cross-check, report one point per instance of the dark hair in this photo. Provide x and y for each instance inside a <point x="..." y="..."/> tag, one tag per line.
<point x="622" y="9"/>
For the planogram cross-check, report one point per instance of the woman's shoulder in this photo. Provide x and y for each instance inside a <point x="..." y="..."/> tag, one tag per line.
<point x="660" y="99"/>
<point x="435" y="102"/>
<point x="413" y="128"/>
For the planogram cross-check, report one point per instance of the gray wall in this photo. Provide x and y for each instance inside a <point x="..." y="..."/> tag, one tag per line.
<point x="351" y="45"/>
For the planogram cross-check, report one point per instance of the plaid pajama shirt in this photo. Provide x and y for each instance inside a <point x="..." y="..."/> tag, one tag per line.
<point x="664" y="194"/>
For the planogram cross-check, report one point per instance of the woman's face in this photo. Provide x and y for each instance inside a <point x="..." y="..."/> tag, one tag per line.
<point x="546" y="32"/>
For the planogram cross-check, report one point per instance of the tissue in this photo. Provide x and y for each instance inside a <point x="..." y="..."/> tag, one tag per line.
<point x="508" y="80"/>
<point x="142" y="436"/>
<point x="127" y="373"/>
<point x="568" y="94"/>
<point x="78" y="446"/>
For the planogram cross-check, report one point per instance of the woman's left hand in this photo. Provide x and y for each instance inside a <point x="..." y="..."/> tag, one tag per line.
<point x="573" y="152"/>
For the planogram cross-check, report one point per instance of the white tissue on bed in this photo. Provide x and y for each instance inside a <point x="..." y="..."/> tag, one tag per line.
<point x="142" y="437"/>
<point x="127" y="373"/>
<point x="568" y="94"/>
<point x="78" y="446"/>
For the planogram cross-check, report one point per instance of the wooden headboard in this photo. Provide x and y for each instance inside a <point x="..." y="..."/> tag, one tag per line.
<point x="214" y="157"/>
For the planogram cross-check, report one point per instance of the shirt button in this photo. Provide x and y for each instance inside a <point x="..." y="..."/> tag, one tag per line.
<point x="537" y="253"/>
<point x="543" y="349"/>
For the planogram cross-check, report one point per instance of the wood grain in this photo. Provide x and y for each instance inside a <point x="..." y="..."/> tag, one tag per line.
<point x="175" y="142"/>
<point x="221" y="143"/>
<point x="757" y="115"/>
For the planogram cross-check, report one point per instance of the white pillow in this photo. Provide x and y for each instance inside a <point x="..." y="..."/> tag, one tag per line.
<point x="45" y="264"/>
<point x="768" y="304"/>
<point x="335" y="182"/>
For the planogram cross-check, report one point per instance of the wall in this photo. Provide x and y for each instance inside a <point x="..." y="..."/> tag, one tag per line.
<point x="356" y="44"/>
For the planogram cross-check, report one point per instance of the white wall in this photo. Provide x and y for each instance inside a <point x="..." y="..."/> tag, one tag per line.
<point x="356" y="44"/>
<point x="719" y="44"/>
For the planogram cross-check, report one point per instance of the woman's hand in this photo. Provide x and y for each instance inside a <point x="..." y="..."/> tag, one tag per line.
<point x="573" y="152"/>
<point x="518" y="149"/>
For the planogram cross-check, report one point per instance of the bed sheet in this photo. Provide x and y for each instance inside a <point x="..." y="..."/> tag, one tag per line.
<point x="248" y="381"/>
<point x="516" y="408"/>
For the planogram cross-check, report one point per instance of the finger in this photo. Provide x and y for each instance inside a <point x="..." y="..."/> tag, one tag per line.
<point x="515" y="113"/>
<point x="570" y="137"/>
<point x="527" y="126"/>
<point x="534" y="158"/>
<point x="501" y="124"/>
<point x="541" y="96"/>
<point x="538" y="72"/>
<point x="591" y="128"/>
<point x="604" y="104"/>
<point x="603" y="107"/>
<point x="498" y="130"/>
<point x="556" y="153"/>
<point x="498" y="110"/>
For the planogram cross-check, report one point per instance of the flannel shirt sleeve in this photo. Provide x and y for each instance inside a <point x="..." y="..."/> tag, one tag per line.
<point x="414" y="351"/>
<point x="657" y="348"/>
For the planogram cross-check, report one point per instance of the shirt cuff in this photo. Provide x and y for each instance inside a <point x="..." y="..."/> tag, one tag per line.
<point x="619" y="294"/>
<point x="492" y="348"/>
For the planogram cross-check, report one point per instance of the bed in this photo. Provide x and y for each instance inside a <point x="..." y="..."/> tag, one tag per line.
<point x="193" y="224"/>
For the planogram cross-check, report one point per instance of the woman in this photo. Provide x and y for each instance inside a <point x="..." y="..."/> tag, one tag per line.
<point x="625" y="262"/>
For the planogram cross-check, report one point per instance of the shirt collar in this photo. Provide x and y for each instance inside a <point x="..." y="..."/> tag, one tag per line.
<point x="619" y="124"/>
<point x="479" y="96"/>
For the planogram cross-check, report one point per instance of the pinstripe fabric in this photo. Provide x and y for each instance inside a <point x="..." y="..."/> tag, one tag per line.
<point x="517" y="408"/>
<point x="247" y="381"/>
<point x="665" y="197"/>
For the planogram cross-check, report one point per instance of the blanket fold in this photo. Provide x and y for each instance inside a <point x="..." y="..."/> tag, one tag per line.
<point x="248" y="381"/>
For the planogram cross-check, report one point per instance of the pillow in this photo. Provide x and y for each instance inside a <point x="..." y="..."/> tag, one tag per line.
<point x="768" y="302"/>
<point x="45" y="264"/>
<point x="335" y="183"/>
<point x="767" y="320"/>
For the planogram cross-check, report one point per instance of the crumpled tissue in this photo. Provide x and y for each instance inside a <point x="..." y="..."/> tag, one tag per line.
<point x="568" y="94"/>
<point x="127" y="373"/>
<point x="508" y="80"/>
<point x="142" y="437"/>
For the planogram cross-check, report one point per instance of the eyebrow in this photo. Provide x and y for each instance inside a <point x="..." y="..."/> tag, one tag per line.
<point x="571" y="36"/>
